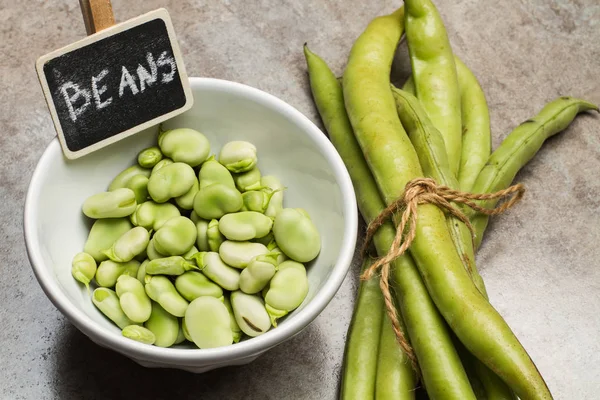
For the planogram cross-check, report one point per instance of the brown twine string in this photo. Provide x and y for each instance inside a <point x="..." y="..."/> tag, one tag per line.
<point x="424" y="191"/>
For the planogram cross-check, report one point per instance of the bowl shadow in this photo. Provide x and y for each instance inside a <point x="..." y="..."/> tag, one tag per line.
<point x="85" y="370"/>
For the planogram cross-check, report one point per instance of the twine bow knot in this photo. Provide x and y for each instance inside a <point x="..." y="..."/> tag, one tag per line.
<point x="424" y="191"/>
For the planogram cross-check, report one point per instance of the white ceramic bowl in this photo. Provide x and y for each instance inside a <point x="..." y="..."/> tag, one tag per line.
<point x="289" y="146"/>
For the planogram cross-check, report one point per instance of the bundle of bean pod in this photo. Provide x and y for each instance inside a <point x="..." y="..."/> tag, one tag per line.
<point x="448" y="342"/>
<point x="186" y="246"/>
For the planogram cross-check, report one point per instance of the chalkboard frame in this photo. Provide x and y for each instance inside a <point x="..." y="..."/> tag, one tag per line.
<point x="160" y="13"/>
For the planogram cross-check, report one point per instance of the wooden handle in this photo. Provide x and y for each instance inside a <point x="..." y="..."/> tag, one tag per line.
<point x="97" y="15"/>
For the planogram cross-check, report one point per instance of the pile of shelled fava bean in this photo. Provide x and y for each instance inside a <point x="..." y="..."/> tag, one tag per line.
<point x="187" y="246"/>
<point x="423" y="326"/>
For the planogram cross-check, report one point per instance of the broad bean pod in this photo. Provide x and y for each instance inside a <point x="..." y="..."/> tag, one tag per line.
<point x="429" y="146"/>
<point x="434" y="73"/>
<point x="519" y="147"/>
<point x="474" y="321"/>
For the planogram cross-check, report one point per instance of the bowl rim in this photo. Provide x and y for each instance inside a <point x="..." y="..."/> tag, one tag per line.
<point x="246" y="348"/>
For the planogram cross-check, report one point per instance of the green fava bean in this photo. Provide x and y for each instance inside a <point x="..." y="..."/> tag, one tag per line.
<point x="214" y="236"/>
<point x="134" y="301"/>
<point x="103" y="234"/>
<point x="276" y="200"/>
<point x="257" y="200"/>
<point x="109" y="271"/>
<point x="250" y="313"/>
<point x="214" y="201"/>
<point x="142" y="256"/>
<point x="185" y="331"/>
<point x="212" y="172"/>
<point x="187" y="200"/>
<point x="185" y="145"/>
<point x="115" y="204"/>
<point x="141" y="272"/>
<point x="149" y="157"/>
<point x="151" y="251"/>
<point x="160" y="289"/>
<point x="162" y="163"/>
<point x="174" y="265"/>
<point x="129" y="245"/>
<point x="202" y="234"/>
<point x="296" y="235"/>
<point x="238" y="156"/>
<point x="193" y="284"/>
<point x="215" y="269"/>
<point x="235" y="328"/>
<point x="121" y="180"/>
<point x="139" y="334"/>
<point x="175" y="237"/>
<point x="83" y="268"/>
<point x="245" y="225"/>
<point x="153" y="215"/>
<point x="180" y="335"/>
<point x="273" y="248"/>
<point x="303" y="212"/>
<point x="190" y="253"/>
<point x="163" y="325"/>
<point x="239" y="254"/>
<point x="171" y="181"/>
<point x="194" y="217"/>
<point x="107" y="301"/>
<point x="258" y="273"/>
<point x="139" y="185"/>
<point x="249" y="180"/>
<point x="208" y="323"/>
<point x="266" y="240"/>
<point x="287" y="290"/>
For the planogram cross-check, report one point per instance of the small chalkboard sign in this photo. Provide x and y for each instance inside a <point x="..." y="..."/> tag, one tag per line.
<point x="115" y="83"/>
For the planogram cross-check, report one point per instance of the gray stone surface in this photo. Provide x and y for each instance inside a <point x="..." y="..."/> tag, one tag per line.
<point x="539" y="261"/>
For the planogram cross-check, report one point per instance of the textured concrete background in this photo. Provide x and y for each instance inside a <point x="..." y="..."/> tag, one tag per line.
<point x="540" y="261"/>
